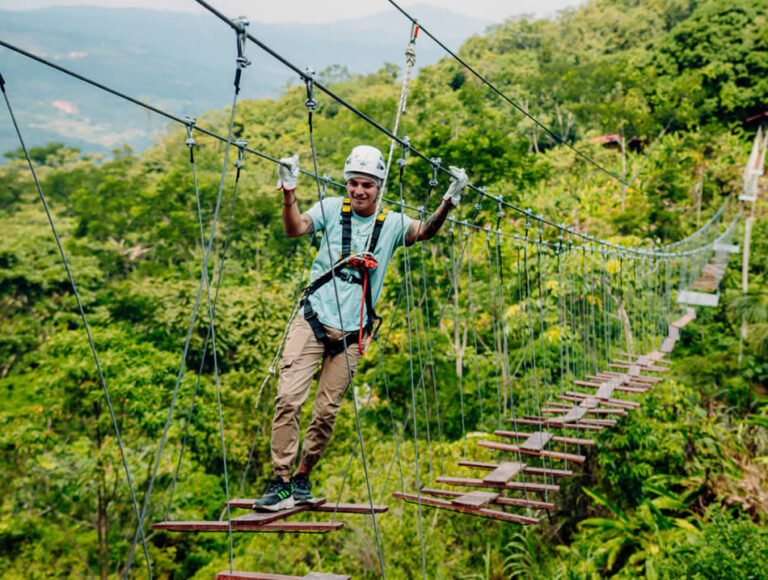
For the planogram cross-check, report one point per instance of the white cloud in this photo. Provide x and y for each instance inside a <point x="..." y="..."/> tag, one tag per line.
<point x="65" y="107"/>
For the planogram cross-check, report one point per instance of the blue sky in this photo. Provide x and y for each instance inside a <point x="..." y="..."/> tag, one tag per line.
<point x="317" y="10"/>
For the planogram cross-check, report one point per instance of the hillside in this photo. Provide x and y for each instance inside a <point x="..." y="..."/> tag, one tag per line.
<point x="179" y="62"/>
<point x="497" y="316"/>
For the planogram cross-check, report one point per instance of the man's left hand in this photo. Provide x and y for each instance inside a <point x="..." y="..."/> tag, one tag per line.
<point x="458" y="184"/>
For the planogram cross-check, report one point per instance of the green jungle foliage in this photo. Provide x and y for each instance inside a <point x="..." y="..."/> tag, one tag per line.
<point x="676" y="489"/>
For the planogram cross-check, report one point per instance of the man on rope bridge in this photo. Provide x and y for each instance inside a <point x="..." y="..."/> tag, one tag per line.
<point x="337" y="309"/>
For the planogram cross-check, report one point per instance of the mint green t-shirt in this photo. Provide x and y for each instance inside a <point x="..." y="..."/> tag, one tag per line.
<point x="323" y="300"/>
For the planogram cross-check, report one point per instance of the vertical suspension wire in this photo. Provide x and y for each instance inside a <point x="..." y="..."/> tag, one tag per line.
<point x="455" y="280"/>
<point x="429" y="342"/>
<point x="529" y="308"/>
<point x="592" y="301"/>
<point x="567" y="319"/>
<point x="469" y="235"/>
<point x="211" y="331"/>
<point x="238" y="164"/>
<point x="421" y="384"/>
<point x="408" y="298"/>
<point x="242" y="62"/>
<point x="494" y="324"/>
<point x="584" y="303"/>
<point x="311" y="105"/>
<point x="546" y="377"/>
<point x="380" y="370"/>
<point x="560" y="312"/>
<point x="522" y="325"/>
<point x="271" y="375"/>
<point x="605" y="283"/>
<point x="546" y="364"/>
<point x="505" y="342"/>
<point x="84" y="318"/>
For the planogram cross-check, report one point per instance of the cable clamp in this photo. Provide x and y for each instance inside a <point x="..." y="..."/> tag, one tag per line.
<point x="309" y="80"/>
<point x="325" y="179"/>
<point x="241" y="144"/>
<point x="405" y="144"/>
<point x="241" y="25"/>
<point x="435" y="168"/>
<point x="190" y="121"/>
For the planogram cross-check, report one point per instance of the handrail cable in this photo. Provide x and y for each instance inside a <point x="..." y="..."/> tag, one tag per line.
<point x="433" y="161"/>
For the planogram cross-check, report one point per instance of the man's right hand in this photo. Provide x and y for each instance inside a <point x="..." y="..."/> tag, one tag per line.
<point x="288" y="173"/>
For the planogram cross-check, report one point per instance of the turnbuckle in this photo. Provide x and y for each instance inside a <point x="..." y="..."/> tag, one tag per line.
<point x="241" y="24"/>
<point x="435" y="168"/>
<point x="241" y="144"/>
<point x="190" y="124"/>
<point x="309" y="79"/>
<point x="405" y="144"/>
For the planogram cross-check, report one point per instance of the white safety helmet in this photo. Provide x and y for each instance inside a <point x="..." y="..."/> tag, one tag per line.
<point x="368" y="161"/>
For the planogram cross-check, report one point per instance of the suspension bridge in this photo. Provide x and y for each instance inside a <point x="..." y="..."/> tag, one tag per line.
<point x="557" y="335"/>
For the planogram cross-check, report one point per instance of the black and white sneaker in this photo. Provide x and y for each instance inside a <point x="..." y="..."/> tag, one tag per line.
<point x="279" y="496"/>
<point x="301" y="487"/>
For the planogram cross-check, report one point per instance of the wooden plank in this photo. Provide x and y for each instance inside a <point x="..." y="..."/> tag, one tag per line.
<point x="504" y="472"/>
<point x="573" y="415"/>
<point x="483" y="512"/>
<point x="683" y="321"/>
<point x="618" y="387"/>
<point x="475" y="499"/>
<point x="658" y="357"/>
<point x="554" y="438"/>
<point x="634" y="368"/>
<point x="667" y="345"/>
<point x="266" y="517"/>
<point x="559" y="408"/>
<point x="501" y="500"/>
<point x="520" y="485"/>
<point x="550" y="423"/>
<point x="221" y="526"/>
<point x="322" y="506"/>
<point x="526" y="469"/>
<point x="579" y="398"/>
<point x="654" y="356"/>
<point x="674" y="332"/>
<point x="604" y="392"/>
<point x="607" y="400"/>
<point x="626" y="378"/>
<point x="540" y="453"/>
<point x="536" y="441"/>
<point x="352" y="508"/>
<point x="236" y="575"/>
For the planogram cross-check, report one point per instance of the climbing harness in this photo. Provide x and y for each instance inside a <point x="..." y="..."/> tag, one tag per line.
<point x="352" y="269"/>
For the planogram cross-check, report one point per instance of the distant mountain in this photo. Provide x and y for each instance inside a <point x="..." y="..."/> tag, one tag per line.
<point x="183" y="63"/>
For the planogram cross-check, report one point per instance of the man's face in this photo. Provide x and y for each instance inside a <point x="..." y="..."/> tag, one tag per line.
<point x="362" y="192"/>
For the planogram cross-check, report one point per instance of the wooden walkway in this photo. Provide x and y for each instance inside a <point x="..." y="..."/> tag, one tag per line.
<point x="583" y="412"/>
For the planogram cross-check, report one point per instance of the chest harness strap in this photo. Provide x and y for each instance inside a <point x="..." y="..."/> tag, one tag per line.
<point x="360" y="266"/>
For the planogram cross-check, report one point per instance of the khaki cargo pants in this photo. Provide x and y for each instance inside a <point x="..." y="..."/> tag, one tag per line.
<point x="297" y="368"/>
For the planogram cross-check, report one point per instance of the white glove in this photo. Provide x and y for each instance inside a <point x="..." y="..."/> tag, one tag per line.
<point x="458" y="184"/>
<point x="288" y="173"/>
